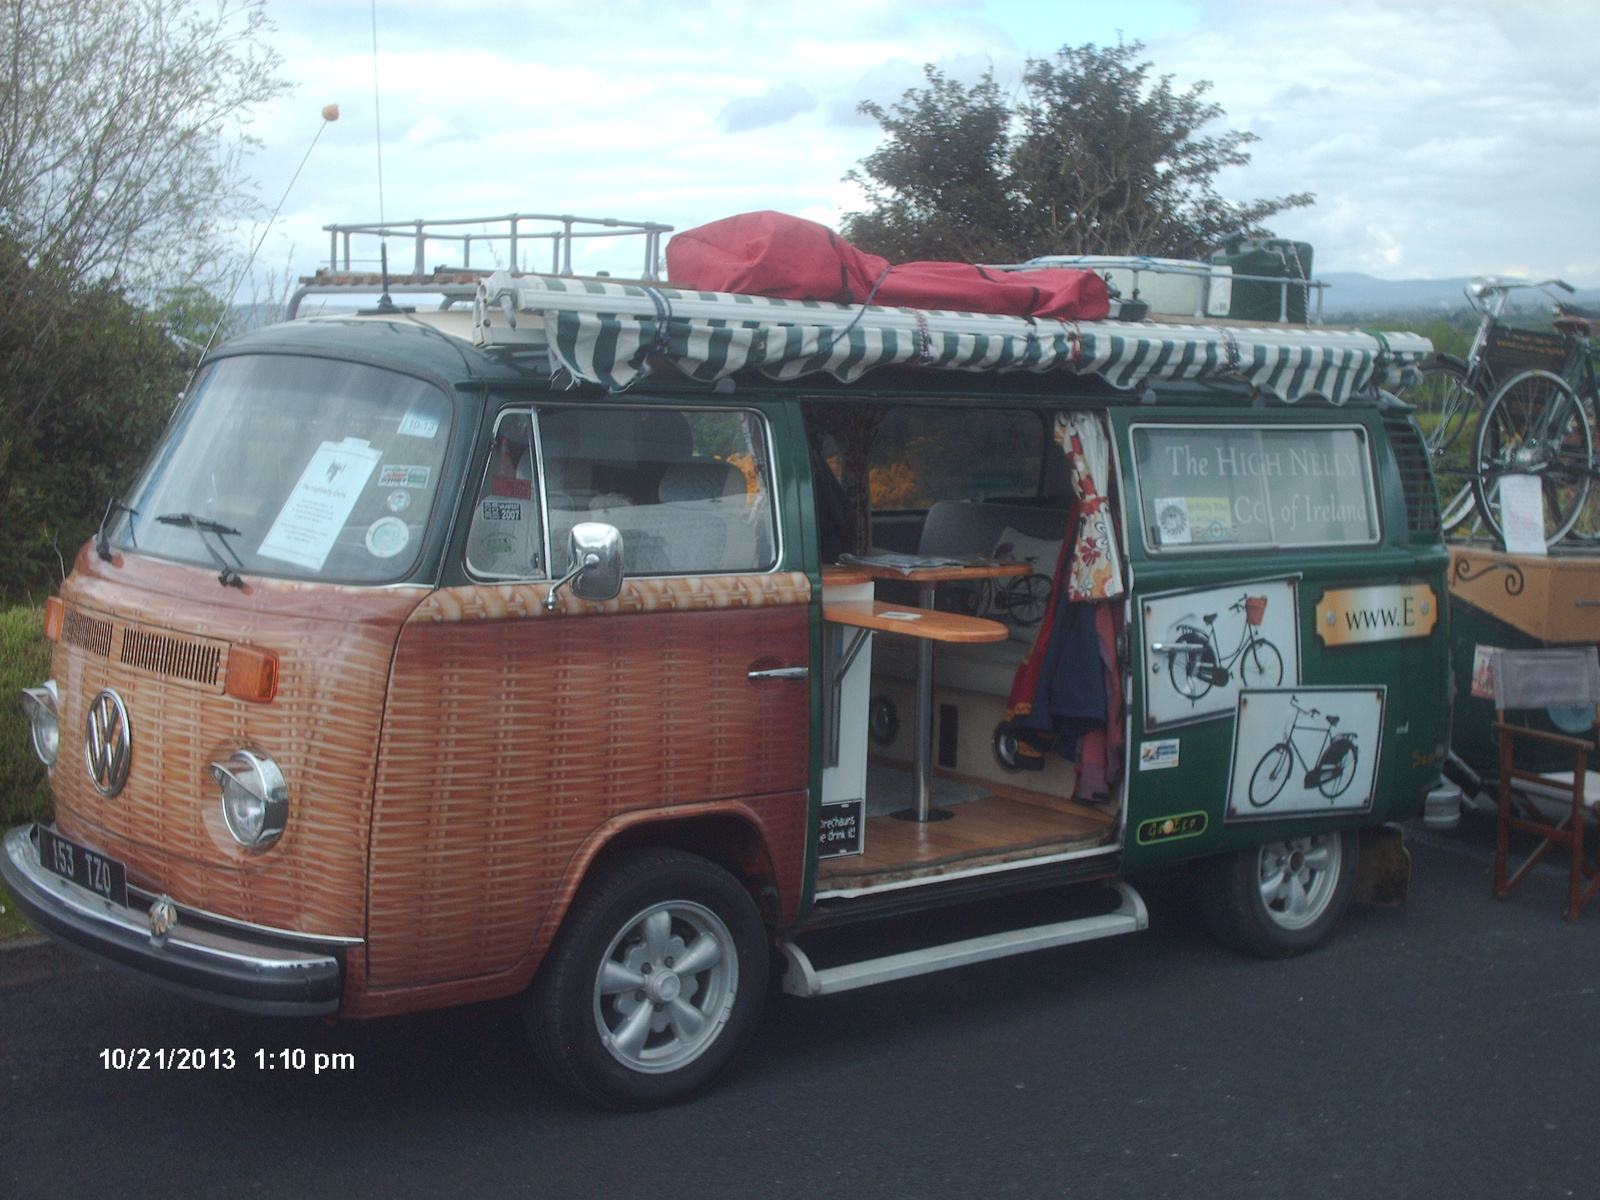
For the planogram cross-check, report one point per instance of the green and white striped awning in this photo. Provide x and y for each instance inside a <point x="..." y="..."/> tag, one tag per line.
<point x="611" y="333"/>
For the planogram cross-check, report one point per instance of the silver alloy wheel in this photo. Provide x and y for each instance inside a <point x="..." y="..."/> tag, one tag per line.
<point x="665" y="987"/>
<point x="1299" y="877"/>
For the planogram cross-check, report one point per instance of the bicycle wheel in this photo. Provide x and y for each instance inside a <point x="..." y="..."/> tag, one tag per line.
<point x="1534" y="425"/>
<point x="1587" y="527"/>
<point x="1444" y="401"/>
<point x="1271" y="773"/>
<point x="1184" y="667"/>
<point x="1025" y="598"/>
<point x="1448" y="407"/>
<point x="1261" y="666"/>
<point x="1340" y="760"/>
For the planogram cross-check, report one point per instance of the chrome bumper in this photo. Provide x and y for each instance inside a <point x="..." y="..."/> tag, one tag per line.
<point x="256" y="973"/>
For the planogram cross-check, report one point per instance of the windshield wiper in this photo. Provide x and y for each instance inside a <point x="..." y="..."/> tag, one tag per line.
<point x="102" y="541"/>
<point x="229" y="576"/>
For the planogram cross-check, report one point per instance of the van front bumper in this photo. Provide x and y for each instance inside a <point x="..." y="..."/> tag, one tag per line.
<point x="255" y="971"/>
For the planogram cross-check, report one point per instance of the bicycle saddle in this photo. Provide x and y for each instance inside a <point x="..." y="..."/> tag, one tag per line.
<point x="1332" y="721"/>
<point x="1579" y="310"/>
<point x="1210" y="618"/>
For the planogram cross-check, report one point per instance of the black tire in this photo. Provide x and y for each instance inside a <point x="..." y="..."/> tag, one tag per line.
<point x="1277" y="763"/>
<point x="568" y="1007"/>
<point x="1343" y="756"/>
<point x="1234" y="890"/>
<point x="1535" y="425"/>
<point x="1261" y="665"/>
<point x="1181" y="666"/>
<point x="1448" y="408"/>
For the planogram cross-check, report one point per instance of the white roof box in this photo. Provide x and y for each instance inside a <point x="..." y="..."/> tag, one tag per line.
<point x="1172" y="287"/>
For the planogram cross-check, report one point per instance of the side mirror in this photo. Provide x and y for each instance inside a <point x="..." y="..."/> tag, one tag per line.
<point x="595" y="551"/>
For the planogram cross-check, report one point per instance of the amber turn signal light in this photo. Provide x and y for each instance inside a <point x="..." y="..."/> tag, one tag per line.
<point x="54" y="610"/>
<point x="252" y="674"/>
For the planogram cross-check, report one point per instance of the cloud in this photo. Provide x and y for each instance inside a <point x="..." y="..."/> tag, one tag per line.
<point x="774" y="106"/>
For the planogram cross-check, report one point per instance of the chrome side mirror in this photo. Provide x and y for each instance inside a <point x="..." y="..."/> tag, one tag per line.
<point x="595" y="551"/>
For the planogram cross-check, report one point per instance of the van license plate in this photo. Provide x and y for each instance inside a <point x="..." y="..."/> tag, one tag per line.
<point x="101" y="875"/>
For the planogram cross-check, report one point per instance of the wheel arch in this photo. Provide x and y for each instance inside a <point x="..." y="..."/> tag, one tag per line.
<point x="727" y="834"/>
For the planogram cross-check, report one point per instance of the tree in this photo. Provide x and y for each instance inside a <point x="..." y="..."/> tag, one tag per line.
<point x="122" y="133"/>
<point x="1090" y="158"/>
<point x="122" y="141"/>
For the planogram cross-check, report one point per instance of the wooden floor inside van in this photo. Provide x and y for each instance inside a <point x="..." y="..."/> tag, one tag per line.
<point x="992" y="829"/>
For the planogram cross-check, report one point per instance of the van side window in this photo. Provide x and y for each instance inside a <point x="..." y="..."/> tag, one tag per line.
<point x="922" y="455"/>
<point x="689" y="490"/>
<point x="506" y="539"/>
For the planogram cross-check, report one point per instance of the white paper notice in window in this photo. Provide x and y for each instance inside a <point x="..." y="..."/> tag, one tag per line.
<point x="317" y="509"/>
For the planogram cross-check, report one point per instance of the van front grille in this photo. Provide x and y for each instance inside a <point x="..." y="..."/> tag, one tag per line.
<point x="89" y="633"/>
<point x="1416" y="480"/>
<point x="164" y="654"/>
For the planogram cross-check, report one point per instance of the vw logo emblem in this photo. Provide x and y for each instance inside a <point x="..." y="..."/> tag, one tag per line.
<point x="108" y="743"/>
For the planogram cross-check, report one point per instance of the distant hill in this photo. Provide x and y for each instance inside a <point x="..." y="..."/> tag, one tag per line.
<point x="1350" y="293"/>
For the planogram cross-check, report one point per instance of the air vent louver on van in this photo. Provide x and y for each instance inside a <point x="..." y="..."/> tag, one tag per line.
<point x="176" y="657"/>
<point x="89" y="633"/>
<point x="1416" y="479"/>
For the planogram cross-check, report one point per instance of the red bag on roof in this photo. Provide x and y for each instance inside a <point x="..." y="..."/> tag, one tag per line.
<point x="772" y="254"/>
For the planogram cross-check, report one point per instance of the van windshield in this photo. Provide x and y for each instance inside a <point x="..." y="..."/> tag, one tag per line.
<point x="295" y="468"/>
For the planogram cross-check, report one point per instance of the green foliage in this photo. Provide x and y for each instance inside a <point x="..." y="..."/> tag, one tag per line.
<point x="87" y="381"/>
<point x="1092" y="158"/>
<point x="1448" y="337"/>
<point x="24" y="662"/>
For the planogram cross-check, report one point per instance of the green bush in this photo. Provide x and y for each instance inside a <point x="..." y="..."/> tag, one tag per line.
<point x="24" y="662"/>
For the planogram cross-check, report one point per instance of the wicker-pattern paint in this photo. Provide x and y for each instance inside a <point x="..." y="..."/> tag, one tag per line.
<point x="335" y="645"/>
<point x="510" y="744"/>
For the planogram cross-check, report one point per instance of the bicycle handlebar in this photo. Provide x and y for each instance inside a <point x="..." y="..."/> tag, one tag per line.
<point x="1487" y="293"/>
<point x="1294" y="703"/>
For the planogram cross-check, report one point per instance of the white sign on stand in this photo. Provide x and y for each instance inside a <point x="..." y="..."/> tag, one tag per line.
<point x="317" y="509"/>
<point x="1522" y="513"/>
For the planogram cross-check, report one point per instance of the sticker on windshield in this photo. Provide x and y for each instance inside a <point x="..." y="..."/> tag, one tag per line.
<point x="399" y="500"/>
<point x="398" y="475"/>
<point x="386" y="537"/>
<point x="309" y="522"/>
<point x="501" y="510"/>
<point x="1172" y="520"/>
<point x="418" y="423"/>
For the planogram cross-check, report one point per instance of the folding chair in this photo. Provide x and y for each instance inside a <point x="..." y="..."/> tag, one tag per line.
<point x="1543" y="679"/>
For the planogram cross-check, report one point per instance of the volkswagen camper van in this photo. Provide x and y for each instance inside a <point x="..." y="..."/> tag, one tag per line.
<point x="616" y="645"/>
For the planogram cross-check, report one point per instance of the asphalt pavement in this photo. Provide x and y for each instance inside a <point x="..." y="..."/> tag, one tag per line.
<point x="1447" y="1048"/>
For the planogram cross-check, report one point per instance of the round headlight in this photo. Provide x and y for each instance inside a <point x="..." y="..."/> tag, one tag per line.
<point x="255" y="798"/>
<point x="44" y="720"/>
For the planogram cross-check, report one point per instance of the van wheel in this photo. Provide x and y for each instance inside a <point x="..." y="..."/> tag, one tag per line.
<point x="1281" y="899"/>
<point x="654" y="984"/>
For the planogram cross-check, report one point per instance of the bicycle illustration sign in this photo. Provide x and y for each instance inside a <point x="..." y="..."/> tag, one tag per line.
<point x="1304" y="751"/>
<point x="1204" y="647"/>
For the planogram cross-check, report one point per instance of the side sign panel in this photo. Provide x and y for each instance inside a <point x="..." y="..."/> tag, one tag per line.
<point x="1305" y="752"/>
<point x="1203" y="646"/>
<point x="1350" y="616"/>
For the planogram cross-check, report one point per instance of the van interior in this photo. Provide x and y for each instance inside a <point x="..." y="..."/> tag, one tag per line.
<point x="970" y="483"/>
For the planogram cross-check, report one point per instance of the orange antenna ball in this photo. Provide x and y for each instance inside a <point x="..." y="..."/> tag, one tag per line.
<point x="330" y="112"/>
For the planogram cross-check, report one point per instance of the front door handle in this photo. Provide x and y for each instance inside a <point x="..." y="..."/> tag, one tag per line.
<point x="782" y="673"/>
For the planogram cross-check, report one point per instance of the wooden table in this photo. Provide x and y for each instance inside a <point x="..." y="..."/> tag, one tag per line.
<point x="927" y="626"/>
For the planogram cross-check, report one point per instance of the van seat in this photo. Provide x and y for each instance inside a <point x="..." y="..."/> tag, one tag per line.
<point x="986" y="667"/>
<point x="965" y="527"/>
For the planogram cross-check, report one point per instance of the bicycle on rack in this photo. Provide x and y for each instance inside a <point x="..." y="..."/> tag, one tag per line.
<point x="1335" y="767"/>
<point x="1490" y="415"/>
<point x="1196" y="664"/>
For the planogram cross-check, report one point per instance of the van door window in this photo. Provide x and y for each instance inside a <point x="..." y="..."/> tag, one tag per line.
<point x="689" y="490"/>
<point x="1211" y="487"/>
<point x="506" y="540"/>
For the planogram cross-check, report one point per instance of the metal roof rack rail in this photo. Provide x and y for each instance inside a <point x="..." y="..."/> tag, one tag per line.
<point x="511" y="234"/>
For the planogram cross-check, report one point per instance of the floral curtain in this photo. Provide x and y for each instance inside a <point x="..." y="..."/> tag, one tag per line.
<point x="1096" y="572"/>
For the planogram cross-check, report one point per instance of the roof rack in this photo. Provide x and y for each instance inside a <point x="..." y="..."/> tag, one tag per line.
<point x="510" y="233"/>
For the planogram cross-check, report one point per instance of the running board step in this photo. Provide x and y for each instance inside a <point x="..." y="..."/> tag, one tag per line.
<point x="803" y="979"/>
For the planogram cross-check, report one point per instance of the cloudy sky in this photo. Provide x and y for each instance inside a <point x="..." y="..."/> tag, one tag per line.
<point x="1440" y="139"/>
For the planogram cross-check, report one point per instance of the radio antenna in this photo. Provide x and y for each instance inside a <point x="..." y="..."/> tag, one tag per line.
<point x="377" y="118"/>
<point x="330" y="114"/>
